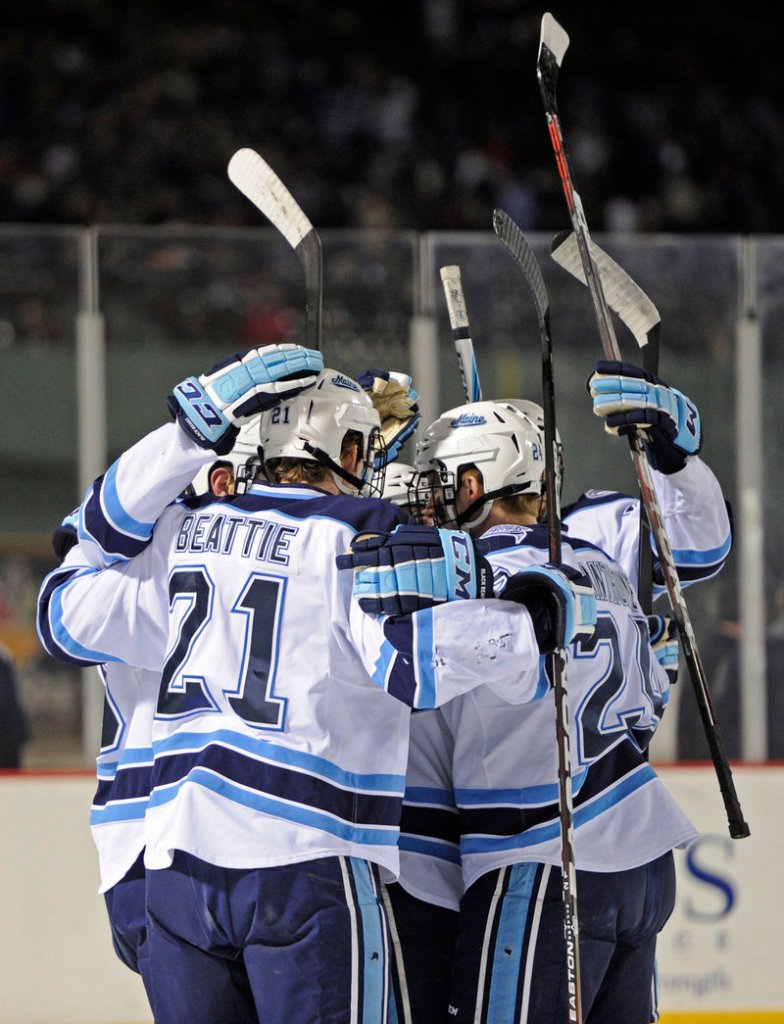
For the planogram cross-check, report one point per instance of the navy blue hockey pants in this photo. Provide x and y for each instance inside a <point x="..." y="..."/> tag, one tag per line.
<point x="510" y="964"/>
<point x="305" y="943"/>
<point x="424" y="937"/>
<point x="125" y="903"/>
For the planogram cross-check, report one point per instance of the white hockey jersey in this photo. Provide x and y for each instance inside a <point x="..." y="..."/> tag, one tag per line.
<point x="700" y="531"/>
<point x="124" y="769"/>
<point x="281" y="727"/>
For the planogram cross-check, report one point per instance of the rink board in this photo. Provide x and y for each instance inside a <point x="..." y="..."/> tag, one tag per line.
<point x="720" y="955"/>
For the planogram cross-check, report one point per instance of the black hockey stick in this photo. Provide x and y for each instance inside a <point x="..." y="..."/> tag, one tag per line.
<point x="258" y="182"/>
<point x="634" y="309"/>
<point x="510" y="235"/>
<point x="461" y="333"/>
<point x="552" y="47"/>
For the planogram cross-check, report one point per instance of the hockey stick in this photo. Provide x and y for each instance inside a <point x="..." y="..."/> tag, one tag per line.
<point x="510" y="235"/>
<point x="633" y="307"/>
<point x="552" y="47"/>
<point x="258" y="182"/>
<point x="461" y="333"/>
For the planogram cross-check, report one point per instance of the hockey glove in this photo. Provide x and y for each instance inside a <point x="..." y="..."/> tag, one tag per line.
<point x="664" y="643"/>
<point x="561" y="603"/>
<point x="631" y="399"/>
<point x="415" y="567"/>
<point x="395" y="401"/>
<point x="211" y="407"/>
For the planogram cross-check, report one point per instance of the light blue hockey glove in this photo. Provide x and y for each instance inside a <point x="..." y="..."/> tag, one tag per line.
<point x="663" y="631"/>
<point x="415" y="567"/>
<point x="561" y="603"/>
<point x="629" y="398"/>
<point x="210" y="408"/>
<point x="395" y="401"/>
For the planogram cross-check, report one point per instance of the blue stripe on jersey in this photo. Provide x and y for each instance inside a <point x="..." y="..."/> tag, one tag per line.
<point x="508" y="944"/>
<point x="424" y="670"/>
<point x="121" y="519"/>
<point x="373" y="940"/>
<point x="386" y="656"/>
<point x="107" y="769"/>
<point x="50" y="627"/>
<point x="525" y="796"/>
<point x="95" y="525"/>
<point x="197" y="741"/>
<point x="131" y="810"/>
<point x="430" y="848"/>
<point x="248" y="780"/>
<point x="690" y="557"/>
<point x="429" y="795"/>
<point x="583" y="814"/>
<point x="365" y="836"/>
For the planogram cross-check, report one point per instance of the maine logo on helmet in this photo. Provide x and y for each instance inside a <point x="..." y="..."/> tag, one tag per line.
<point x="312" y="425"/>
<point x="495" y="437"/>
<point x="468" y="420"/>
<point x="345" y="382"/>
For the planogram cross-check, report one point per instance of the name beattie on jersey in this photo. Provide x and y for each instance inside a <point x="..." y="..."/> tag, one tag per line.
<point x="225" y="534"/>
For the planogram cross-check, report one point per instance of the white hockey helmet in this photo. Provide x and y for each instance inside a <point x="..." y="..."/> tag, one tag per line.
<point x="312" y="425"/>
<point x="497" y="438"/>
<point x="244" y="459"/>
<point x="536" y="413"/>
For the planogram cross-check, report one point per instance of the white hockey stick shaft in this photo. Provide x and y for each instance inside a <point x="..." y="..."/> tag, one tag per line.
<point x="253" y="176"/>
<point x="461" y="332"/>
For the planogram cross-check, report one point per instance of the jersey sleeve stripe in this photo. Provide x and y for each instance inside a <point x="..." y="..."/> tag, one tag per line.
<point x="52" y="632"/>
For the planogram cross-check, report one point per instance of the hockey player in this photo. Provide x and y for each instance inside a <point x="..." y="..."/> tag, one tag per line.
<point x="430" y="875"/>
<point x="280" y="737"/>
<point x="124" y="763"/>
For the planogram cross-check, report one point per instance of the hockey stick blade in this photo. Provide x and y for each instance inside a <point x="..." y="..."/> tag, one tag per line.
<point x="510" y="235"/>
<point x="461" y="332"/>
<point x="553" y="44"/>
<point x="624" y="296"/>
<point x="253" y="176"/>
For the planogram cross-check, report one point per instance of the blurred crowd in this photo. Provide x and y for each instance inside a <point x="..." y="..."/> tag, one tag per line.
<point x="414" y="116"/>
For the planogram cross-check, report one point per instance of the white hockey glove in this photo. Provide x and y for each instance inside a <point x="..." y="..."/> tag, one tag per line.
<point x="415" y="567"/>
<point x="631" y="399"/>
<point x="561" y="603"/>
<point x="210" y="408"/>
<point x="395" y="401"/>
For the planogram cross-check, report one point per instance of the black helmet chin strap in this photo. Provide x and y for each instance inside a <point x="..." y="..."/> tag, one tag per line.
<point x="489" y="496"/>
<point x="321" y="457"/>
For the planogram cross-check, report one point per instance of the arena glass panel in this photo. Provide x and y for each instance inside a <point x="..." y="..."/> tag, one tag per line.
<point x="39" y="299"/>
